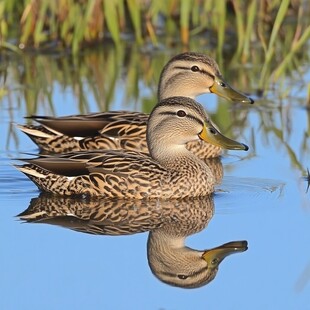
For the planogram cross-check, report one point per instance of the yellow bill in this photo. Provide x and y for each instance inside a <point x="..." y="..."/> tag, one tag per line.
<point x="214" y="256"/>
<point x="212" y="135"/>
<point x="222" y="89"/>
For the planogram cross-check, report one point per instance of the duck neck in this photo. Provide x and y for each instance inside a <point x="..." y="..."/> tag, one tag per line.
<point x="186" y="165"/>
<point x="174" y="157"/>
<point x="170" y="87"/>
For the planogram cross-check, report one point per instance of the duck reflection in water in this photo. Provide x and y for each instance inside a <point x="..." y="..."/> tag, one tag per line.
<point x="168" y="223"/>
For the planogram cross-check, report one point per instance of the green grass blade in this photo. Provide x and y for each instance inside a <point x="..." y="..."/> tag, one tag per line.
<point x="220" y="8"/>
<point x="135" y="15"/>
<point x="270" y="50"/>
<point x="239" y="28"/>
<point x="185" y="11"/>
<point x="111" y="17"/>
<point x="251" y="14"/>
<point x="283" y="65"/>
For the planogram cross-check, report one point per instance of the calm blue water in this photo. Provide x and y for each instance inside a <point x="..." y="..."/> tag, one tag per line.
<point x="263" y="199"/>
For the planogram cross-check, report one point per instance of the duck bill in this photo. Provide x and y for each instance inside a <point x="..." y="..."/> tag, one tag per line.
<point x="221" y="88"/>
<point x="211" y="135"/>
<point x="215" y="256"/>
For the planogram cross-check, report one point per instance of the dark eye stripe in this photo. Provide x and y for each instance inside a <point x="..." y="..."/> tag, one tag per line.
<point x="207" y="73"/>
<point x="201" y="71"/>
<point x="187" y="115"/>
<point x="192" y="274"/>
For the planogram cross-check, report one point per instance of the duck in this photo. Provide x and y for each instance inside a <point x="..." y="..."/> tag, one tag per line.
<point x="188" y="74"/>
<point x="168" y="171"/>
<point x="178" y="265"/>
<point x="167" y="222"/>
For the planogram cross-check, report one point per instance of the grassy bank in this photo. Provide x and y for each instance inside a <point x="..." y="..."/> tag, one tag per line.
<point x="235" y="28"/>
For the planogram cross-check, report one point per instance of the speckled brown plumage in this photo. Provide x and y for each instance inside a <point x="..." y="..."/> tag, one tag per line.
<point x="170" y="171"/>
<point x="119" y="216"/>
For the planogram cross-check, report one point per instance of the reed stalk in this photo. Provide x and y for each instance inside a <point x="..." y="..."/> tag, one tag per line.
<point x="240" y="27"/>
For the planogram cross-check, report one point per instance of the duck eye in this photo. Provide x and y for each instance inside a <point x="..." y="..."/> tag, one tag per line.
<point x="195" y="68"/>
<point x="181" y="113"/>
<point x="223" y="84"/>
<point x="182" y="276"/>
<point x="212" y="131"/>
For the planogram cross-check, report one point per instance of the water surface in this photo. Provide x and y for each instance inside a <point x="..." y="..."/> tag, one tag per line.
<point x="263" y="197"/>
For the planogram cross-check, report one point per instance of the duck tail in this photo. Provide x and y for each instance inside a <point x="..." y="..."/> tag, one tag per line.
<point x="50" y="140"/>
<point x="46" y="180"/>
